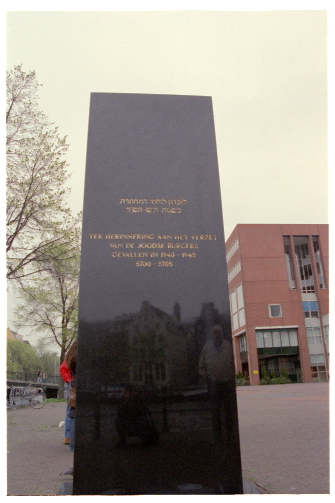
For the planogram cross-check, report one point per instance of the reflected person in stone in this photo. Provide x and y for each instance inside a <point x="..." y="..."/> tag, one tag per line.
<point x="217" y="366"/>
<point x="134" y="420"/>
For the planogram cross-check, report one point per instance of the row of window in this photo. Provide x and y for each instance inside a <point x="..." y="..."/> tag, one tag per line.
<point x="310" y="308"/>
<point x="317" y="359"/>
<point x="234" y="271"/>
<point x="303" y="259"/>
<point x="144" y="374"/>
<point x="301" y="254"/>
<point x="237" y="308"/>
<point x="276" y="338"/>
<point x="232" y="250"/>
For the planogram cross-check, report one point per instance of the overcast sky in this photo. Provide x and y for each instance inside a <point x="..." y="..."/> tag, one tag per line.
<point x="265" y="70"/>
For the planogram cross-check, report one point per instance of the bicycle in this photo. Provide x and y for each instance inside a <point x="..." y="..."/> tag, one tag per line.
<point x="20" y="396"/>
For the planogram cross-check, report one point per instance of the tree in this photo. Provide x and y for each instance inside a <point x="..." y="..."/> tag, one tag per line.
<point x="21" y="357"/>
<point x="37" y="216"/>
<point x="49" y="298"/>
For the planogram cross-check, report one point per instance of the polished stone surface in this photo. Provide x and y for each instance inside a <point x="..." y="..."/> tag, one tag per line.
<point x="153" y="284"/>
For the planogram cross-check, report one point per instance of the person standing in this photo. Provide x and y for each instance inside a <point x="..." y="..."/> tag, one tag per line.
<point x="67" y="378"/>
<point x="71" y="363"/>
<point x="216" y="364"/>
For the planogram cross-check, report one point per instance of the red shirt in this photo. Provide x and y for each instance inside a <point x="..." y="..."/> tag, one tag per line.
<point x="65" y="372"/>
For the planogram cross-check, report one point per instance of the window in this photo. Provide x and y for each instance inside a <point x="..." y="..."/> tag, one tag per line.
<point x="315" y="359"/>
<point x="259" y="339"/>
<point x="293" y="338"/>
<point x="268" y="340"/>
<point x="311" y="309"/>
<point x="241" y="317"/>
<point x="319" y="373"/>
<point x="235" y="321"/>
<point x="313" y="335"/>
<point x="137" y="373"/>
<point x="233" y="302"/>
<point x="160" y="372"/>
<point x="243" y="343"/>
<point x="303" y="260"/>
<point x="234" y="271"/>
<point x="285" y="341"/>
<point x="239" y="296"/>
<point x="288" y="258"/>
<point x="237" y="308"/>
<point x="232" y="250"/>
<point x="275" y="341"/>
<point x="318" y="261"/>
<point x="275" y="311"/>
<point x="325" y="326"/>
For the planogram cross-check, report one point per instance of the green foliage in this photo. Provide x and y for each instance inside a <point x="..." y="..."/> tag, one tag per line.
<point x="49" y="361"/>
<point x="49" y="299"/>
<point x="242" y="379"/>
<point x="275" y="380"/>
<point x="283" y="373"/>
<point x="22" y="357"/>
<point x="37" y="218"/>
<point x="282" y="379"/>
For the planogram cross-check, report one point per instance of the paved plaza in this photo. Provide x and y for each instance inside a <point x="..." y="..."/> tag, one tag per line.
<point x="284" y="437"/>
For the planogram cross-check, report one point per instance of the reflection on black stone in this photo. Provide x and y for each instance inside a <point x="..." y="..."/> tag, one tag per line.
<point x="150" y="349"/>
<point x="134" y="419"/>
<point x="144" y="404"/>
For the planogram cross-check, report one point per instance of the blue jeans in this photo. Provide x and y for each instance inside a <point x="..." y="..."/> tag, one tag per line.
<point x="67" y="418"/>
<point x="72" y="428"/>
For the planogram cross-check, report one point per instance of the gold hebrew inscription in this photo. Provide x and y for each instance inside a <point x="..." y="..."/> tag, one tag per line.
<point x="138" y="205"/>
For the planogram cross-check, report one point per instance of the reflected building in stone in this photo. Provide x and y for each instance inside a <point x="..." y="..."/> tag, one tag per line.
<point x="151" y="348"/>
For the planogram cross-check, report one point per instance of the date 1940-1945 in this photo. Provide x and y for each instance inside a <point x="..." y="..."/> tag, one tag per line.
<point x="161" y="263"/>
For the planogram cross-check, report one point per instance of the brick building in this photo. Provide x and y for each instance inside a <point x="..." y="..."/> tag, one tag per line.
<point x="279" y="298"/>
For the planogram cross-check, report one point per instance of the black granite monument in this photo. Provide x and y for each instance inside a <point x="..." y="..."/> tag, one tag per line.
<point x="153" y="284"/>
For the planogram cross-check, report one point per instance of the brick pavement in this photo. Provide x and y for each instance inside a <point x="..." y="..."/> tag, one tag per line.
<point x="284" y="435"/>
<point x="36" y="452"/>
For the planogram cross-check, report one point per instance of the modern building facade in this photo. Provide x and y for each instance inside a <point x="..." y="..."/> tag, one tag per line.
<point x="279" y="299"/>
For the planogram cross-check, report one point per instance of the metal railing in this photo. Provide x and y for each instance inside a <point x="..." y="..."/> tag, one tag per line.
<point x="29" y="377"/>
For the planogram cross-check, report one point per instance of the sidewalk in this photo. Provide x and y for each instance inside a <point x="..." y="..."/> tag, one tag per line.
<point x="284" y="436"/>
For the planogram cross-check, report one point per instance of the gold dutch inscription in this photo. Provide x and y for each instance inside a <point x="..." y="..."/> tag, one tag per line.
<point x="174" y="246"/>
<point x="151" y="245"/>
<point x="116" y="245"/>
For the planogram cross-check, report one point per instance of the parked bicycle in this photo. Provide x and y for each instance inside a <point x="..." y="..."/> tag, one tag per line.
<point x="21" y="396"/>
